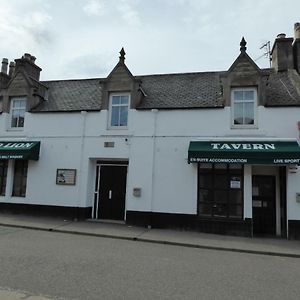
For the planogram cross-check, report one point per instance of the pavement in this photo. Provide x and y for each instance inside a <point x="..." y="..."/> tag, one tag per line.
<point x="263" y="246"/>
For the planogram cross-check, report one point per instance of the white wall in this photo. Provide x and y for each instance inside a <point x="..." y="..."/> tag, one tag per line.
<point x="156" y="145"/>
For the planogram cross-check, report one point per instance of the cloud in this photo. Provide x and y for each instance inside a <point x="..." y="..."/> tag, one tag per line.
<point x="94" y="8"/>
<point x="26" y="28"/>
<point x="121" y="9"/>
<point x="88" y="65"/>
<point x="128" y="13"/>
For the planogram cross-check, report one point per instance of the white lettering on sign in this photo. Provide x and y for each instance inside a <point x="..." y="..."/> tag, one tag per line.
<point x="225" y="146"/>
<point x="16" y="145"/>
<point x="218" y="160"/>
<point x="231" y="146"/>
<point x="287" y="161"/>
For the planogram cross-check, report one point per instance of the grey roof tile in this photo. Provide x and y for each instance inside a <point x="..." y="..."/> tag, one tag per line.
<point x="71" y="95"/>
<point x="168" y="91"/>
<point x="187" y="90"/>
<point x="281" y="89"/>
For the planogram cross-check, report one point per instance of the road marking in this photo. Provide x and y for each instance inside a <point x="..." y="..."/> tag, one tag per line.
<point x="11" y="294"/>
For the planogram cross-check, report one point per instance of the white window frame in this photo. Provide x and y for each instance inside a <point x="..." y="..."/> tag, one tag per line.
<point x="254" y="101"/>
<point x="12" y="109"/>
<point x="110" y="110"/>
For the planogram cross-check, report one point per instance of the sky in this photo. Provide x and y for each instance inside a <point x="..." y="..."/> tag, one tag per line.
<point x="82" y="38"/>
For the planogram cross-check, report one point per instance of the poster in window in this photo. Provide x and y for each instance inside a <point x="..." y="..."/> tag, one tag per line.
<point x="235" y="183"/>
<point x="66" y="176"/>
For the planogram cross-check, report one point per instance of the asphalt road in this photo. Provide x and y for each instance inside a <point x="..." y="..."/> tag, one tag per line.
<point x="46" y="265"/>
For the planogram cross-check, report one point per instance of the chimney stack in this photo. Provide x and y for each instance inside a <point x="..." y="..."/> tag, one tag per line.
<point x="296" y="47"/>
<point x="297" y="31"/>
<point x="282" y="53"/>
<point x="4" y="65"/>
<point x="27" y="64"/>
<point x="12" y="66"/>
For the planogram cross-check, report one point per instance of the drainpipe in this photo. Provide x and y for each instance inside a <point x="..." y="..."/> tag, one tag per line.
<point x="82" y="136"/>
<point x="155" y="112"/>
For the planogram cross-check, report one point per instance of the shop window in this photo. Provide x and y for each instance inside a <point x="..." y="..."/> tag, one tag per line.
<point x="220" y="190"/>
<point x="17" y="111"/>
<point x="118" y="110"/>
<point x="20" y="178"/>
<point x="3" y="175"/>
<point x="243" y="105"/>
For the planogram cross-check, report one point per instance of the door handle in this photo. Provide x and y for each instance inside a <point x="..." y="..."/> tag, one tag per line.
<point x="109" y="194"/>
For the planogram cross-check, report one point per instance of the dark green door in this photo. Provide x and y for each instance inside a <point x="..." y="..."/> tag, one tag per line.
<point x="264" y="205"/>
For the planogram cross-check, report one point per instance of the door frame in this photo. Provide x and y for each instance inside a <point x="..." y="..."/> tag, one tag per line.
<point x="281" y="197"/>
<point x="97" y="183"/>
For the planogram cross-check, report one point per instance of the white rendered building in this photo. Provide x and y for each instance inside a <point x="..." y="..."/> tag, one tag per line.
<point x="211" y="151"/>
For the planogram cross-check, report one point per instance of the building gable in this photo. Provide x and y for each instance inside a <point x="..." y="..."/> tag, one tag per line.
<point x="120" y="80"/>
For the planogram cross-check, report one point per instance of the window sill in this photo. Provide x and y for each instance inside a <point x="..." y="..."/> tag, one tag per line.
<point x="244" y="126"/>
<point x="118" y="128"/>
<point x="17" y="129"/>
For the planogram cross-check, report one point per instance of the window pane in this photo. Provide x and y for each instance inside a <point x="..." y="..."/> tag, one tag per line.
<point x="248" y="95"/>
<point x="14" y="122"/>
<point x="220" y="210"/>
<point x="248" y="113"/>
<point x="205" y="181"/>
<point x="235" y="211"/>
<point x="115" y="100"/>
<point x="18" y="109"/>
<point x="221" y="181"/>
<point x="235" y="196"/>
<point x="115" y="111"/>
<point x="205" y="209"/>
<point x="21" y="122"/>
<point x="238" y="113"/>
<point x="205" y="196"/>
<point x="220" y="196"/>
<point x="221" y="191"/>
<point x="124" y="99"/>
<point x="123" y="115"/>
<point x="20" y="178"/>
<point x="238" y="95"/>
<point x="119" y="110"/>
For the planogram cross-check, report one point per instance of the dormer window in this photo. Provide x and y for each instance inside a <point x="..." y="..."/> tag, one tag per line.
<point x="243" y="105"/>
<point x="17" y="111"/>
<point x="118" y="110"/>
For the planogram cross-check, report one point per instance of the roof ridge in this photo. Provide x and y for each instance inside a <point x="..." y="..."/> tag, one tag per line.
<point x="79" y="79"/>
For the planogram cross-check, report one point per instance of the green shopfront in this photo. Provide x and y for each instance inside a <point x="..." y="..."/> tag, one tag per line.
<point x="20" y="150"/>
<point x="241" y="185"/>
<point x="14" y="158"/>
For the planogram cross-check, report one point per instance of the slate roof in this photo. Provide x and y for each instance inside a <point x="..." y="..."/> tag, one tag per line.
<point x="71" y="95"/>
<point x="168" y="91"/>
<point x="281" y="89"/>
<point x="187" y="90"/>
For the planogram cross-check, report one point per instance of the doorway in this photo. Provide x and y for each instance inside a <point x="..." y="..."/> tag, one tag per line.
<point x="110" y="191"/>
<point x="264" y="205"/>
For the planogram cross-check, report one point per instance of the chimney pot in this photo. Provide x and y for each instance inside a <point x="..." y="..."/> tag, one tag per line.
<point x="4" y="65"/>
<point x="27" y="56"/>
<point x="297" y="31"/>
<point x="281" y="36"/>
